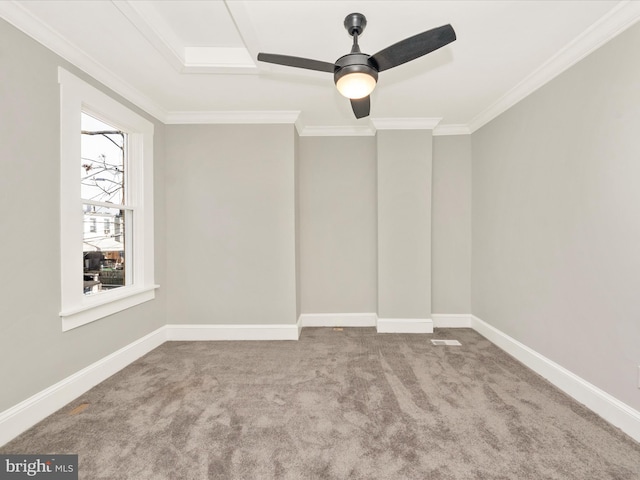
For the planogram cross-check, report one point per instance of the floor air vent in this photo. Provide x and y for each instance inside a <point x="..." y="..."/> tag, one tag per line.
<point x="446" y="342"/>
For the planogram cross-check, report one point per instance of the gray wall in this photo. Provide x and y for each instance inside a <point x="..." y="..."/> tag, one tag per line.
<point x="296" y="153"/>
<point x="231" y="224"/>
<point x="556" y="220"/>
<point x="404" y="161"/>
<point x="338" y="224"/>
<point x="451" y="225"/>
<point x="34" y="352"/>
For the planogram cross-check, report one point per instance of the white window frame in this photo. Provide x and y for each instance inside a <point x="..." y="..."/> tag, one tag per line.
<point x="77" y="96"/>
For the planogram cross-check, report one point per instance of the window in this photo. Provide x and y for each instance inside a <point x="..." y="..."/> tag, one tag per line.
<point x="106" y="205"/>
<point x="103" y="171"/>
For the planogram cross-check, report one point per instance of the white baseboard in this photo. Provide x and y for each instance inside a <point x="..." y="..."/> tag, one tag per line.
<point x="27" y="413"/>
<point x="451" y="320"/>
<point x="207" y="332"/>
<point x="608" y="407"/>
<point x="383" y="325"/>
<point x="299" y="325"/>
<point x="405" y="325"/>
<point x="338" y="320"/>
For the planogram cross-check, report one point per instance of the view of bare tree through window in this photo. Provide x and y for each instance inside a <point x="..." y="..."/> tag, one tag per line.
<point x="103" y="161"/>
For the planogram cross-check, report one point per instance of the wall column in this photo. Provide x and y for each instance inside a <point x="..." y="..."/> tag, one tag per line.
<point x="404" y="161"/>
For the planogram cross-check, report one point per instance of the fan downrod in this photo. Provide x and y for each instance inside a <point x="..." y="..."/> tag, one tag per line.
<point x="355" y="23"/>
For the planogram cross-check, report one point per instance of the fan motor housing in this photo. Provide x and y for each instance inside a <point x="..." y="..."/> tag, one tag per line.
<point x="354" y="63"/>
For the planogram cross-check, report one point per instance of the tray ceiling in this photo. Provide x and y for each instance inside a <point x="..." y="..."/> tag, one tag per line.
<point x="193" y="61"/>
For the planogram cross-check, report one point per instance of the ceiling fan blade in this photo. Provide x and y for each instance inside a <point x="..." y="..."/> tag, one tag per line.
<point x="297" y="62"/>
<point x="361" y="106"/>
<point x="413" y="47"/>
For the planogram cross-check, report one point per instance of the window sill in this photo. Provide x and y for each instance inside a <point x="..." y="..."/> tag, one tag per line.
<point x="101" y="307"/>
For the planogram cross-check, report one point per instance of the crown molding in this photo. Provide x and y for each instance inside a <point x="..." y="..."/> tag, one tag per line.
<point x="451" y="129"/>
<point x="218" y="60"/>
<point x="233" y="117"/>
<point x="336" y="131"/>
<point x="22" y="19"/>
<point x="405" y="123"/>
<point x="294" y="117"/>
<point x="396" y="124"/>
<point x="621" y="17"/>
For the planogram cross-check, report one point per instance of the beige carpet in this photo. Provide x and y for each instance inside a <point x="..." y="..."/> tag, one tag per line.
<point x="336" y="404"/>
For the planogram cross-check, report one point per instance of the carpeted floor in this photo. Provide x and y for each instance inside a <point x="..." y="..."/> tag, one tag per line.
<point x="335" y="405"/>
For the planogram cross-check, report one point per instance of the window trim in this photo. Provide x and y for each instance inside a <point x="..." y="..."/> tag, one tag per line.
<point x="78" y="309"/>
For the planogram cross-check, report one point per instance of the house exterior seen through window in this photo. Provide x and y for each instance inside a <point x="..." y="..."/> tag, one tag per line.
<point x="103" y="160"/>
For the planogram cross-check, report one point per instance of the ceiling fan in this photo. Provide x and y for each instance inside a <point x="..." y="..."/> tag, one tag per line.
<point x="355" y="74"/>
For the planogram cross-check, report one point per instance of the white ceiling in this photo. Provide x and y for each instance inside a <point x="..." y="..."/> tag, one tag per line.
<point x="194" y="61"/>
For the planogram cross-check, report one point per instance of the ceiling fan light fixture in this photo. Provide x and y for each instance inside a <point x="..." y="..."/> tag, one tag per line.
<point x="356" y="80"/>
<point x="355" y="74"/>
<point x="356" y="85"/>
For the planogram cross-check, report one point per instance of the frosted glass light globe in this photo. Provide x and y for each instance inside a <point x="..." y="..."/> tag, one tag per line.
<point x="356" y="85"/>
